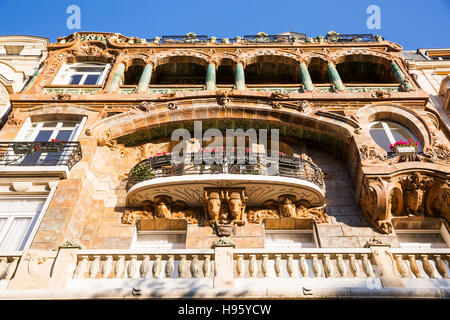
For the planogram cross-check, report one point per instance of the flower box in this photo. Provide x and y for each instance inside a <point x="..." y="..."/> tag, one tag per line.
<point x="22" y="149"/>
<point x="404" y="150"/>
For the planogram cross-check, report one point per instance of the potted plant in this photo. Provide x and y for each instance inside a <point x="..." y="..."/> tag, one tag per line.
<point x="22" y="148"/>
<point x="404" y="147"/>
<point x="54" y="146"/>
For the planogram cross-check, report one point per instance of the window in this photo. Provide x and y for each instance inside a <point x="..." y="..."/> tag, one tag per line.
<point x="385" y="133"/>
<point x="81" y="74"/>
<point x="289" y="239"/>
<point x="437" y="238"/>
<point x="160" y="239"/>
<point x="47" y="131"/>
<point x="17" y="219"/>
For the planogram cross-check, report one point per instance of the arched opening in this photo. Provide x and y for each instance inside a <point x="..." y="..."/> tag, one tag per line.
<point x="180" y="70"/>
<point x="318" y="71"/>
<point x="272" y="70"/>
<point x="365" y="69"/>
<point x="133" y="72"/>
<point x="225" y="72"/>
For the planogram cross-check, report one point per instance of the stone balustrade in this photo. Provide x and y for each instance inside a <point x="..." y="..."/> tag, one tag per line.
<point x="422" y="264"/>
<point x="308" y="263"/>
<point x="8" y="265"/>
<point x="170" y="264"/>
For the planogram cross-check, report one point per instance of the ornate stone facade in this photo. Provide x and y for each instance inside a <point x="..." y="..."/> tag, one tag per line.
<point x="336" y="189"/>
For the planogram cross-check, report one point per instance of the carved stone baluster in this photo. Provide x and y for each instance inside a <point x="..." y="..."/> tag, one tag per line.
<point x="277" y="266"/>
<point x="182" y="267"/>
<point x="353" y="265"/>
<point x="11" y="268"/>
<point x="120" y="267"/>
<point x="107" y="267"/>
<point x="253" y="266"/>
<point x="170" y="266"/>
<point x="265" y="265"/>
<point x="401" y="265"/>
<point x="3" y="262"/>
<point x="342" y="268"/>
<point x="368" y="269"/>
<point x="317" y="268"/>
<point x="157" y="266"/>
<point x="81" y="268"/>
<point x="207" y="266"/>
<point x="95" y="267"/>
<point x="290" y="265"/>
<point x="428" y="267"/>
<point x="441" y="267"/>
<point x="329" y="270"/>
<point x="240" y="266"/>
<point x="132" y="266"/>
<point x="414" y="266"/>
<point x="303" y="265"/>
<point x="195" y="267"/>
<point x="145" y="267"/>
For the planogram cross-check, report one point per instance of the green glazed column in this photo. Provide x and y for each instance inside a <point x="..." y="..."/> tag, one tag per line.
<point x="334" y="76"/>
<point x="117" y="78"/>
<point x="211" y="77"/>
<point x="35" y="76"/>
<point x="239" y="77"/>
<point x="146" y="75"/>
<point x="400" y="76"/>
<point x="306" y="78"/>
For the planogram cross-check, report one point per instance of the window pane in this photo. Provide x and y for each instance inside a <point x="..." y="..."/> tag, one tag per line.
<point x="379" y="136"/>
<point x="15" y="237"/>
<point x="160" y="241"/>
<point x="75" y="79"/>
<point x="287" y="240"/>
<point x="2" y="223"/>
<point x="91" y="79"/>
<point x="17" y="206"/>
<point x="421" y="240"/>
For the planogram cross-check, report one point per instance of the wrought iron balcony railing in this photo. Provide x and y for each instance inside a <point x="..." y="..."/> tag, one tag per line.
<point x="184" y="39"/>
<point x="280" y="38"/>
<point x="53" y="153"/>
<point x="351" y="38"/>
<point x="235" y="163"/>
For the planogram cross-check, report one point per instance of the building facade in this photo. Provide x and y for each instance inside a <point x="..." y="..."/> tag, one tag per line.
<point x="20" y="58"/>
<point x="351" y="199"/>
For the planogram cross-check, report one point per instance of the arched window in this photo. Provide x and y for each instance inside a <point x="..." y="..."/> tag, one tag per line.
<point x="81" y="74"/>
<point x="385" y="133"/>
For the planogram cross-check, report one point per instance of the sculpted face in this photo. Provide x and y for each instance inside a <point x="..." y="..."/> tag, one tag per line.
<point x="287" y="207"/>
<point x="161" y="209"/>
<point x="214" y="205"/>
<point x="235" y="205"/>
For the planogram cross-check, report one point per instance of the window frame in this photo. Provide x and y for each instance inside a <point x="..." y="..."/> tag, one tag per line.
<point x="67" y="70"/>
<point x="28" y="123"/>
<point x="36" y="219"/>
<point x="137" y="232"/>
<point x="388" y="132"/>
<point x="442" y="231"/>
<point x="291" y="231"/>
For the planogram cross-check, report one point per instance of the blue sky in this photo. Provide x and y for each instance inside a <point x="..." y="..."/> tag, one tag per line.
<point x="413" y="24"/>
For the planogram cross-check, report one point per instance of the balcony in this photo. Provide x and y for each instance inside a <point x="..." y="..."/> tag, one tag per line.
<point x="262" y="177"/>
<point x="55" y="157"/>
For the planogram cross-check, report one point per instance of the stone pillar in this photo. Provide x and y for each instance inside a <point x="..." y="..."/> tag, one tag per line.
<point x="211" y="77"/>
<point x="117" y="78"/>
<point x="239" y="77"/>
<point x="334" y="76"/>
<point x="400" y="76"/>
<point x="306" y="78"/>
<point x="146" y="76"/>
<point x="223" y="262"/>
<point x="63" y="268"/>
<point x="382" y="257"/>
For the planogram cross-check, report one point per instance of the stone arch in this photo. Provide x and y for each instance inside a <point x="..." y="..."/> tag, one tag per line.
<point x="395" y="113"/>
<point x="58" y="112"/>
<point x="4" y="96"/>
<point x="277" y="55"/>
<point x="181" y="56"/>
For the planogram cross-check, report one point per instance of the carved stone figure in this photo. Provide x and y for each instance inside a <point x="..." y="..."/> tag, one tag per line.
<point x="162" y="206"/>
<point x="236" y="204"/>
<point x="415" y="186"/>
<point x="213" y="203"/>
<point x="286" y="205"/>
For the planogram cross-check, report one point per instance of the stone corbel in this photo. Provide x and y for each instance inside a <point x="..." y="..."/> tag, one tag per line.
<point x="374" y="204"/>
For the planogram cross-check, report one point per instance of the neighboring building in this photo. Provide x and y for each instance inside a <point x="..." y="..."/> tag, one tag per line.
<point x="94" y="206"/>
<point x="431" y="69"/>
<point x="20" y="58"/>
